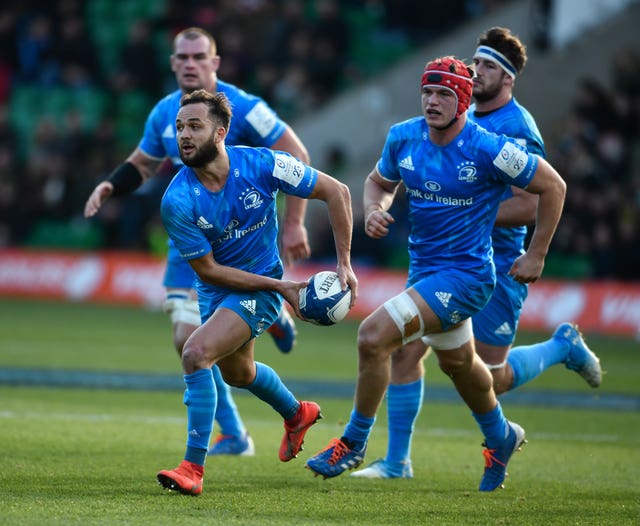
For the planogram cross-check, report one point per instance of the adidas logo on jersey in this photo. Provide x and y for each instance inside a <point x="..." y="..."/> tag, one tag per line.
<point x="250" y="305"/>
<point x="168" y="132"/>
<point x="444" y="298"/>
<point x="407" y="163"/>
<point x="203" y="223"/>
<point x="505" y="329"/>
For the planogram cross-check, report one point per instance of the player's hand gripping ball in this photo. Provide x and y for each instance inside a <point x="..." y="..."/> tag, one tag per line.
<point x="323" y="302"/>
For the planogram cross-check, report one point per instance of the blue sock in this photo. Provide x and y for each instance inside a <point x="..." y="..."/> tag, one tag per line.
<point x="358" y="429"/>
<point x="227" y="414"/>
<point x="201" y="405"/>
<point x="268" y="387"/>
<point x="528" y="361"/>
<point x="493" y="425"/>
<point x="404" y="402"/>
<point x="196" y="455"/>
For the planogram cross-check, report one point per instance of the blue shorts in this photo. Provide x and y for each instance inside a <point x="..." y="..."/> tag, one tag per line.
<point x="455" y="295"/>
<point x="178" y="274"/>
<point x="259" y="309"/>
<point x="497" y="323"/>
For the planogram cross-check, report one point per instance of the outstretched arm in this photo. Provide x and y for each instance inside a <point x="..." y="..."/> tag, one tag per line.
<point x="338" y="199"/>
<point x="295" y="241"/>
<point x="125" y="179"/>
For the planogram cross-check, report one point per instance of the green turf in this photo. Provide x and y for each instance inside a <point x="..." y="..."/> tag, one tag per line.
<point x="99" y="337"/>
<point x="77" y="456"/>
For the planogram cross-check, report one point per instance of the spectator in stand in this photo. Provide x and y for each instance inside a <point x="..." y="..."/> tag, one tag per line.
<point x="76" y="54"/>
<point x="138" y="69"/>
<point x="9" y="55"/>
<point x="35" y="46"/>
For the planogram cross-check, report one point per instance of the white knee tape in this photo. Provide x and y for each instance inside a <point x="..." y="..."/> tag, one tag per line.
<point x="451" y="339"/>
<point x="182" y="310"/>
<point x="404" y="312"/>
<point x="492" y="367"/>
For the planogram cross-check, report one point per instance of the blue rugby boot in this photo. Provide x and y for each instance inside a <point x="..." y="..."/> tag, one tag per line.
<point x="231" y="445"/>
<point x="381" y="469"/>
<point x="336" y="458"/>
<point x="283" y="331"/>
<point x="580" y="358"/>
<point x="496" y="460"/>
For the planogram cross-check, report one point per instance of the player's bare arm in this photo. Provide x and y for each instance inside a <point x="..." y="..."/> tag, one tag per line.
<point x="378" y="198"/>
<point x="551" y="190"/>
<point x="337" y="197"/>
<point x="519" y="210"/>
<point x="141" y="163"/>
<point x="295" y="241"/>
<point x="210" y="271"/>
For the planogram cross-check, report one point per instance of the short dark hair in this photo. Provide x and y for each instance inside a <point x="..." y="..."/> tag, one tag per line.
<point x="501" y="39"/>
<point x="218" y="104"/>
<point x="192" y="33"/>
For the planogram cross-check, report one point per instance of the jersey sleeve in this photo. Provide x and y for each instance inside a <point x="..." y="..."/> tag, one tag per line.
<point x="514" y="164"/>
<point x="387" y="165"/>
<point x="254" y="123"/>
<point x="151" y="142"/>
<point x="291" y="175"/>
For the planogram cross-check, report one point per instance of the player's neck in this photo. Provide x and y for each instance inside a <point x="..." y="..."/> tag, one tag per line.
<point x="445" y="136"/>
<point x="502" y="99"/>
<point x="214" y="175"/>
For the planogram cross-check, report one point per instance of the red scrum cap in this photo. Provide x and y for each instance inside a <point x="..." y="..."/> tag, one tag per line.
<point x="453" y="74"/>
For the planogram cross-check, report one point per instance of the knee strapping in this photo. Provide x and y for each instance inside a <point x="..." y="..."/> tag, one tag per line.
<point x="181" y="309"/>
<point x="451" y="339"/>
<point x="404" y="312"/>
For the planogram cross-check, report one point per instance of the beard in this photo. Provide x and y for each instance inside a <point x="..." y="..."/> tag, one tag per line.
<point x="203" y="155"/>
<point x="486" y="93"/>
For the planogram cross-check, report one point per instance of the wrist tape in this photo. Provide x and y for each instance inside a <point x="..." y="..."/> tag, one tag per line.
<point x="125" y="179"/>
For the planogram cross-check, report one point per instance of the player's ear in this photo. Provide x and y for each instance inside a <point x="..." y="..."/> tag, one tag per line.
<point x="508" y="80"/>
<point x="221" y="133"/>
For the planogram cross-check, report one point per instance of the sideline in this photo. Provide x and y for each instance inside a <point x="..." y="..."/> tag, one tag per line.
<point x="85" y="379"/>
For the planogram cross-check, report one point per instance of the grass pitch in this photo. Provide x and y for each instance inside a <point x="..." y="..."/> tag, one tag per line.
<point x="89" y="456"/>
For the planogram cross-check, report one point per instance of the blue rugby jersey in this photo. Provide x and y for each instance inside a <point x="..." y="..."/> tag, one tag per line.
<point x="454" y="191"/>
<point x="253" y="123"/>
<point x="238" y="223"/>
<point x="513" y="120"/>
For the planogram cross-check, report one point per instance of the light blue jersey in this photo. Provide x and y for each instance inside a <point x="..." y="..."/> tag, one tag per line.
<point x="239" y="223"/>
<point x="497" y="323"/>
<point x="253" y="123"/>
<point x="513" y="120"/>
<point x="453" y="192"/>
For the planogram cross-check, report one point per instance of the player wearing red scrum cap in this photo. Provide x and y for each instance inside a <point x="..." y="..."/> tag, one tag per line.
<point x="455" y="174"/>
<point x="499" y="57"/>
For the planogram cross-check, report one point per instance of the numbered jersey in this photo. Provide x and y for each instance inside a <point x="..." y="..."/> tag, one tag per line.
<point x="453" y="191"/>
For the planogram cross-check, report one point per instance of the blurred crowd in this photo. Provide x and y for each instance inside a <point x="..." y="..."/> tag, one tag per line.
<point x="78" y="77"/>
<point x="598" y="154"/>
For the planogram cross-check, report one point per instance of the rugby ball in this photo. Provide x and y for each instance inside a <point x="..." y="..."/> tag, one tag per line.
<point x="322" y="301"/>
